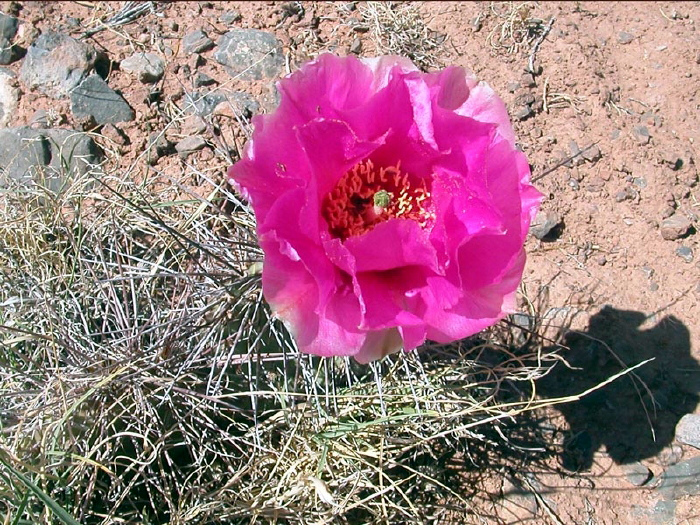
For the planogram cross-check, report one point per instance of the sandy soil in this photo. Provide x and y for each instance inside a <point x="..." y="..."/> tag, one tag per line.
<point x="622" y="77"/>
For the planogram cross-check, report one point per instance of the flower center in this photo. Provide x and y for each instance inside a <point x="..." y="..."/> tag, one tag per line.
<point x="366" y="196"/>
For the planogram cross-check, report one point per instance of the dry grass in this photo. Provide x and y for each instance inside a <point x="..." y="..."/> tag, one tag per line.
<point x="397" y="28"/>
<point x="146" y="382"/>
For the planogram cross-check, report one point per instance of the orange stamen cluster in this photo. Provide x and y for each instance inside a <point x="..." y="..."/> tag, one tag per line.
<point x="351" y="208"/>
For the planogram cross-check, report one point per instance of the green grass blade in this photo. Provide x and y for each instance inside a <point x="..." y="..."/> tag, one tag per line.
<point x="59" y="511"/>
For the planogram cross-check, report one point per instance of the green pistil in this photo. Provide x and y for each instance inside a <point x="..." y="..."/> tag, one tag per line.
<point x="382" y="199"/>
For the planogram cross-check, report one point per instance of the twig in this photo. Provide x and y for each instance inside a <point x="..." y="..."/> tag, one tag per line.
<point x="561" y="163"/>
<point x="128" y="13"/>
<point x="536" y="46"/>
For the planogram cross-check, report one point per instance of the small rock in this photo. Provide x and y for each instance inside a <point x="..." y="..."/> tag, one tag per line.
<point x="9" y="96"/>
<point x="625" y="194"/>
<point x="197" y="42"/>
<point x="202" y="79"/>
<point x="526" y="99"/>
<point x="94" y="98"/>
<point x="158" y="146"/>
<point x="667" y="211"/>
<point x="575" y="153"/>
<point x="356" y="46"/>
<point x="250" y="54"/>
<point x="512" y="87"/>
<point x="229" y="17"/>
<point x="595" y="184"/>
<point x="114" y="134"/>
<point x="56" y="63"/>
<point x="685" y="253"/>
<point x="681" y="479"/>
<point x="592" y="153"/>
<point x="545" y="224"/>
<point x="675" y="227"/>
<point x="149" y="67"/>
<point x="637" y="474"/>
<point x="670" y="455"/>
<point x="688" y="430"/>
<point x="528" y="80"/>
<point x="641" y="134"/>
<point x="624" y="37"/>
<point x="524" y="112"/>
<point x="190" y="145"/>
<point x="477" y="24"/>
<point x="602" y="260"/>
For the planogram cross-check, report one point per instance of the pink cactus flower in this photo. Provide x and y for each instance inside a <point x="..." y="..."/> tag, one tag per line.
<point x="392" y="205"/>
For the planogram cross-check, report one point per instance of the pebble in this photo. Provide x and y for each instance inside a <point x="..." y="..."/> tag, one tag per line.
<point x="512" y="87"/>
<point x="356" y="46"/>
<point x="94" y="98"/>
<point x="524" y="112"/>
<point x="681" y="479"/>
<point x="641" y="134"/>
<point x="229" y="17"/>
<point x="685" y="253"/>
<point x="544" y="224"/>
<point x="625" y="194"/>
<point x="158" y="146"/>
<point x="688" y="430"/>
<point x="190" y="145"/>
<point x="148" y="67"/>
<point x="675" y="227"/>
<point x="114" y="134"/>
<point x="528" y="80"/>
<point x="624" y="37"/>
<point x="670" y="455"/>
<point x="637" y="474"/>
<point x="197" y="42"/>
<point x="202" y="79"/>
<point x="250" y="54"/>
<point x="592" y="153"/>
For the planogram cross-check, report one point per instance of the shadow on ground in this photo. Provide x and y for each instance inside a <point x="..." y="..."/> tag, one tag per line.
<point x="635" y="416"/>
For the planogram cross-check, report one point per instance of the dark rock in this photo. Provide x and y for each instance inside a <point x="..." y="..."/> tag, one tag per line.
<point x="94" y="98"/>
<point x="685" y="253"/>
<point x="148" y="67"/>
<point x="250" y="54"/>
<point x="688" y="430"/>
<point x="675" y="227"/>
<point x="545" y="225"/>
<point x="230" y="17"/>
<point x="189" y="145"/>
<point x="637" y="474"/>
<point x="8" y="26"/>
<point x="681" y="479"/>
<point x="524" y="112"/>
<point x="356" y="46"/>
<point x="202" y="79"/>
<point x="526" y="99"/>
<point x="512" y="87"/>
<point x="197" y="42"/>
<point x="204" y="104"/>
<point x="8" y="30"/>
<point x="56" y="63"/>
<point x="624" y="37"/>
<point x="641" y="134"/>
<point x="48" y="157"/>
<point x="9" y="95"/>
